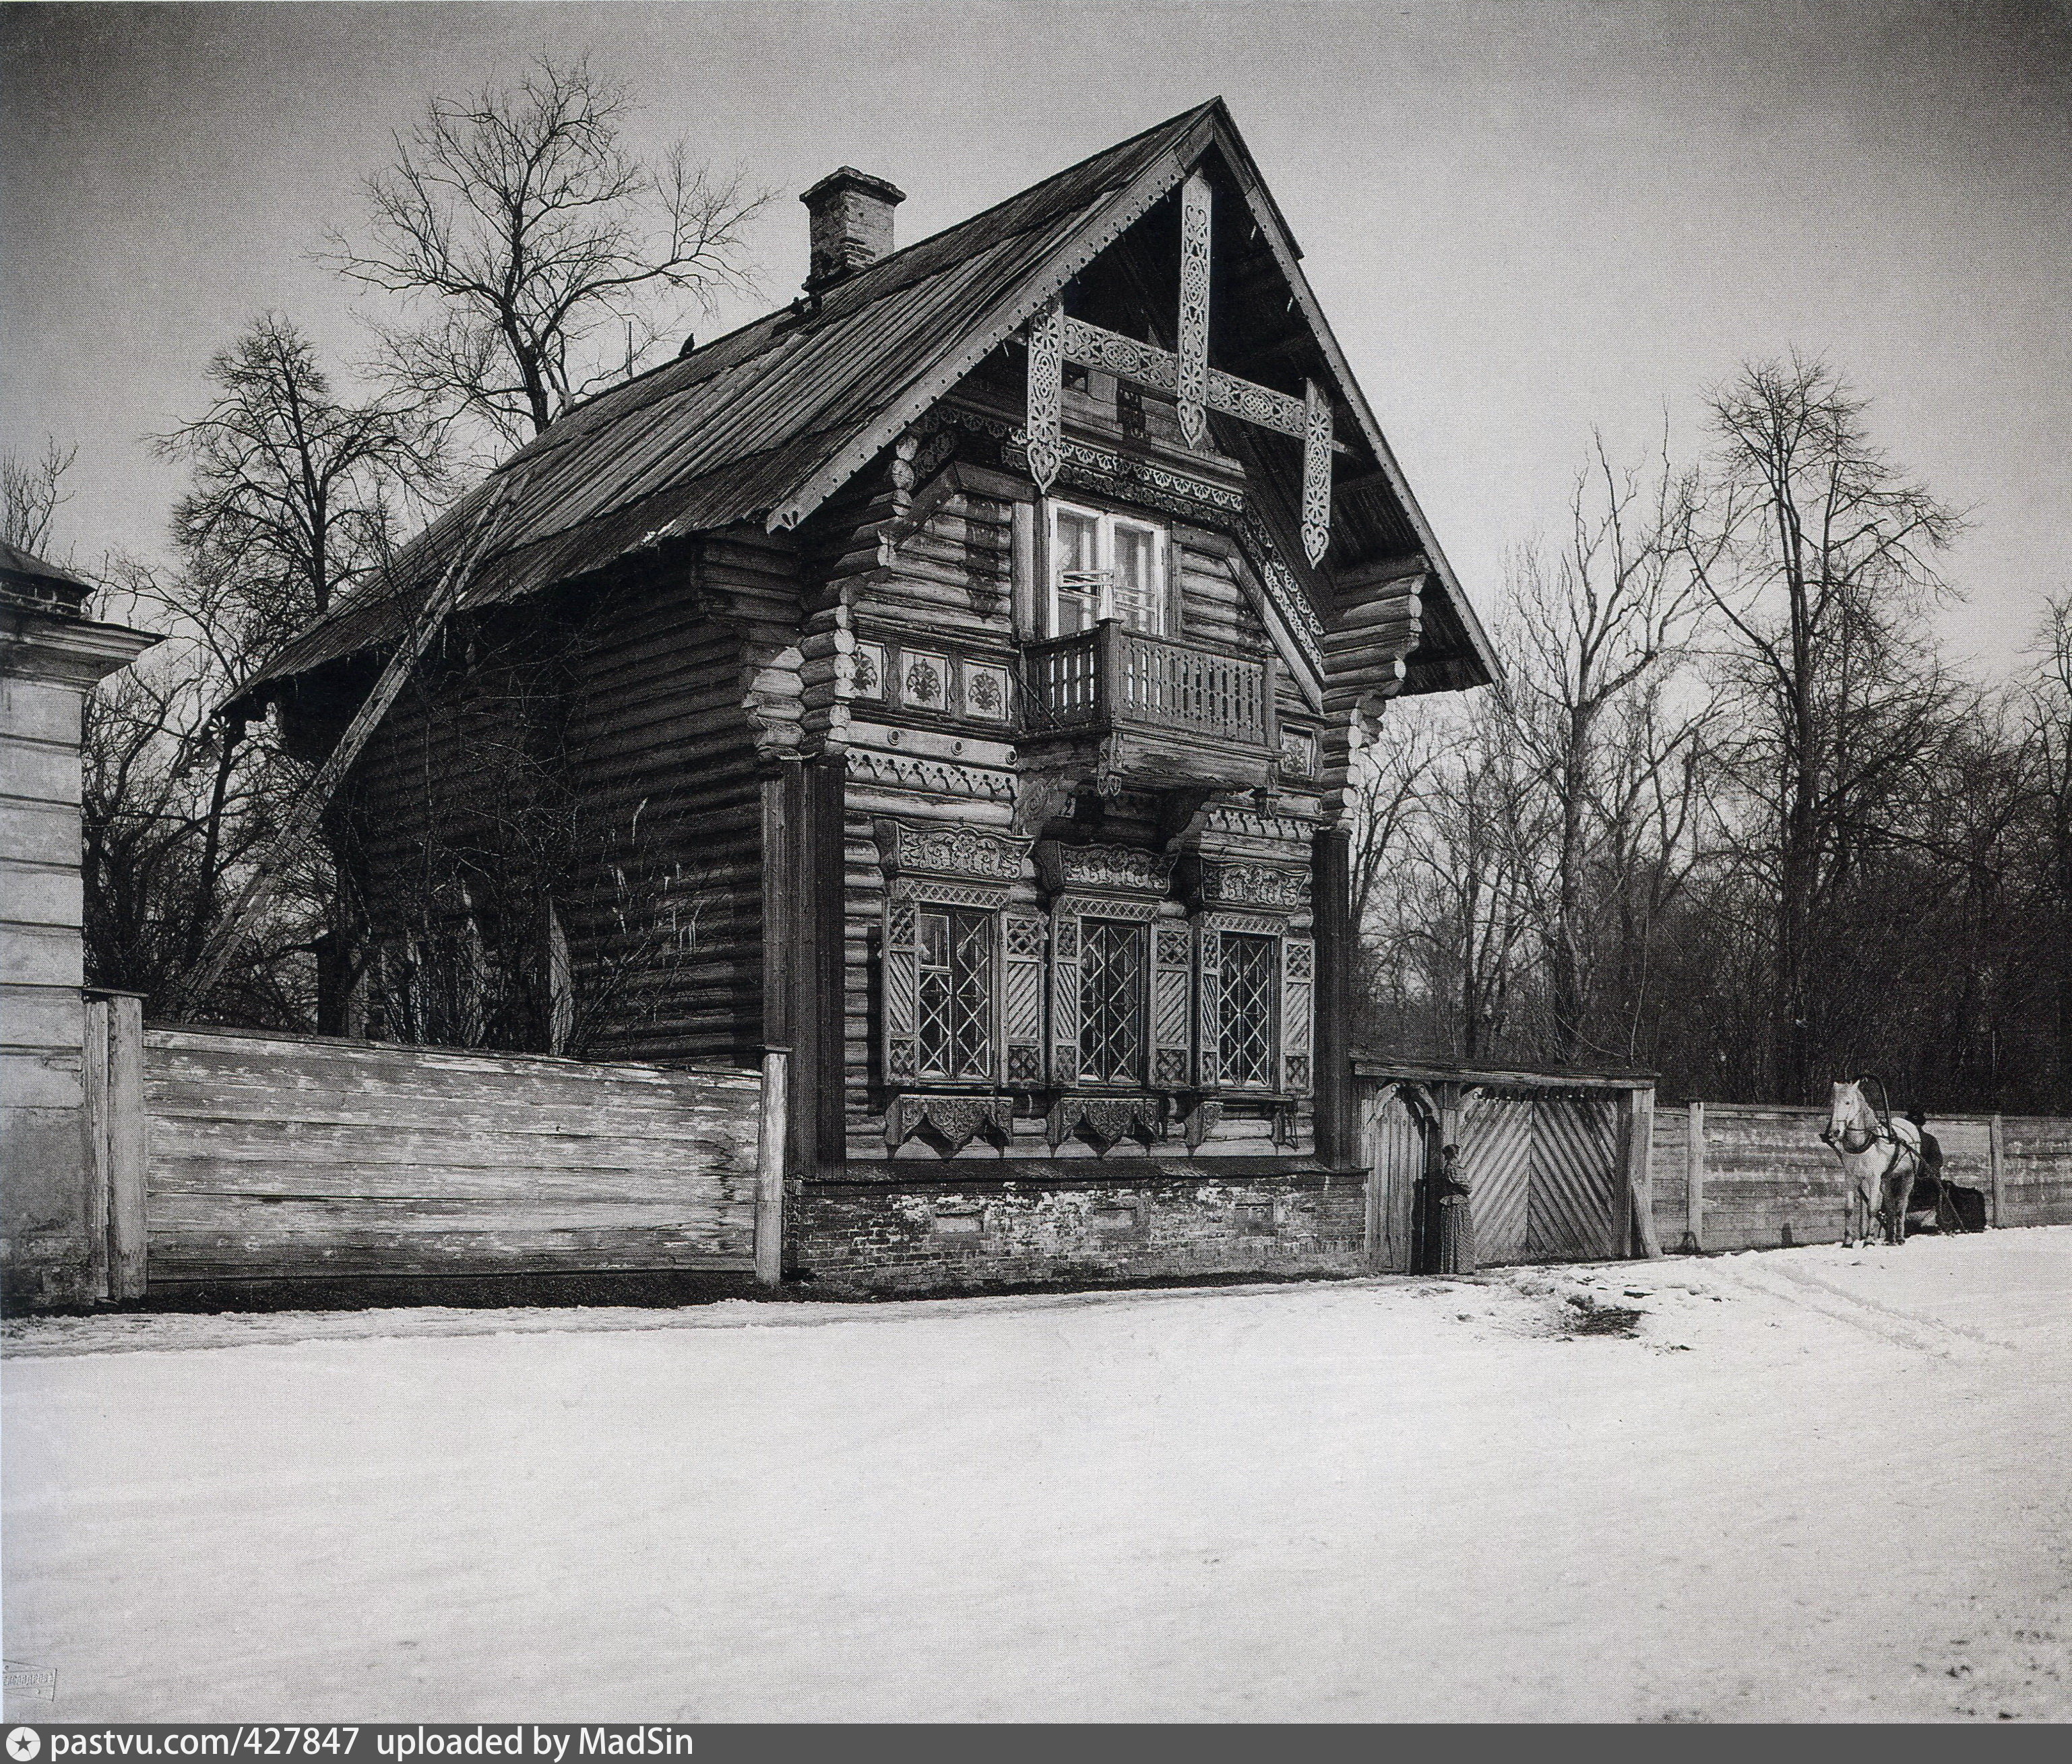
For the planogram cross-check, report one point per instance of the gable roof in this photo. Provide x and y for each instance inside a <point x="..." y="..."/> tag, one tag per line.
<point x="767" y="421"/>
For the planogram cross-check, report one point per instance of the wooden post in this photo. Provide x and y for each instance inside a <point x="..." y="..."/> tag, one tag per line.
<point x="1694" y="1178"/>
<point x="825" y="894"/>
<point x="772" y="1124"/>
<point x="129" y="1148"/>
<point x="1996" y="1164"/>
<point x="1336" y="1107"/>
<point x="1638" y="1108"/>
<point x="93" y="1086"/>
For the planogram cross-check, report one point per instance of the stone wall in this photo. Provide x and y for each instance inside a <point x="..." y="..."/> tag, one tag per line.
<point x="49" y="1243"/>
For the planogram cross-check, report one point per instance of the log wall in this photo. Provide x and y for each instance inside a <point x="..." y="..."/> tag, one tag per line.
<point x="274" y="1158"/>
<point x="632" y="727"/>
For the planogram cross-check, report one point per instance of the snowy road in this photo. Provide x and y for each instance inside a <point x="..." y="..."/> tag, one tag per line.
<point x="1815" y="1484"/>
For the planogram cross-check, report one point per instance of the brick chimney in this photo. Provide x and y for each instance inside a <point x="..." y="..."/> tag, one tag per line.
<point x="851" y="224"/>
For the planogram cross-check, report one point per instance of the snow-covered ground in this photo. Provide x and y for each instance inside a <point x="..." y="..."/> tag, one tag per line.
<point x="1815" y="1483"/>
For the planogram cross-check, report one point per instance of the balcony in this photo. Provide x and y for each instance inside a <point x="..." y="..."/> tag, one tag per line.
<point x="1149" y="712"/>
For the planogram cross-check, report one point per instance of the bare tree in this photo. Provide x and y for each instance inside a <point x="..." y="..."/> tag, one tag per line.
<point x="542" y="257"/>
<point x="1812" y="548"/>
<point x="1597" y="632"/>
<point x="173" y="803"/>
<point x="31" y="492"/>
<point x="2046" y="721"/>
<point x="297" y="492"/>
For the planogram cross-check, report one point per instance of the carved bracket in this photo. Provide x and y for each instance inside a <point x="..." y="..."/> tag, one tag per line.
<point x="949" y="1122"/>
<point x="1107" y="1121"/>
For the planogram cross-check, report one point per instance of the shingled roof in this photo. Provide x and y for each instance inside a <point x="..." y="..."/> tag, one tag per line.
<point x="764" y="423"/>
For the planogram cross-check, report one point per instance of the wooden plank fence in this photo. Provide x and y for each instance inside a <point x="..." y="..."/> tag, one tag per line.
<point x="1731" y="1176"/>
<point x="237" y="1155"/>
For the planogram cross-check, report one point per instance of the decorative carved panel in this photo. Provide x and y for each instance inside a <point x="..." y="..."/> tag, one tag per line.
<point x="1118" y="869"/>
<point x="956" y="852"/>
<point x="924" y="679"/>
<point x="1317" y="474"/>
<point x="1105" y="1121"/>
<point x="1298" y="752"/>
<point x="984" y="691"/>
<point x="1046" y="391"/>
<point x="951" y="1122"/>
<point x="1273" y="887"/>
<point x="1193" y="364"/>
<point x="867" y="670"/>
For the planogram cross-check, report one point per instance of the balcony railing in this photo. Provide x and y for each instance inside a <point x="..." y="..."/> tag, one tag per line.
<point x="1113" y="677"/>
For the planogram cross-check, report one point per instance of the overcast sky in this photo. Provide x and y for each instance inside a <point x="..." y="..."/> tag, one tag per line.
<point x="1524" y="220"/>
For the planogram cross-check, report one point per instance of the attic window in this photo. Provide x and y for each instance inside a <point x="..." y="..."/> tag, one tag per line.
<point x="1104" y="566"/>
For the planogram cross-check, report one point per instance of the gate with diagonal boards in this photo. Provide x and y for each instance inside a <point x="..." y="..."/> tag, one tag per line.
<point x="1555" y="1162"/>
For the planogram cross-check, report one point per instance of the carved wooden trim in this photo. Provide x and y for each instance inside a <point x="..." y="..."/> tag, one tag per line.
<point x="1046" y="384"/>
<point x="1126" y="869"/>
<point x="953" y="1121"/>
<point x="1107" y="1121"/>
<point x="1316" y="472"/>
<point x="1110" y="352"/>
<point x="1247" y="886"/>
<point x="1193" y="369"/>
<point x="959" y="853"/>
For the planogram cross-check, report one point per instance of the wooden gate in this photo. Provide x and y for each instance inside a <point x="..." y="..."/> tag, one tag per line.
<point x="1573" y="1214"/>
<point x="1398" y="1148"/>
<point x="1556" y="1163"/>
<point x="1496" y="1163"/>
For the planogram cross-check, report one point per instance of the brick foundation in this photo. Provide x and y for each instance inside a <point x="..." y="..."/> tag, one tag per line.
<point x="880" y="1237"/>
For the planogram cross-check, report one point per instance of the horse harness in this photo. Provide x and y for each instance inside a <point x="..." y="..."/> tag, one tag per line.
<point x="1872" y="1136"/>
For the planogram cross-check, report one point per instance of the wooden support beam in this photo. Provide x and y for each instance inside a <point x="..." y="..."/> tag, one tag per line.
<point x="1693" y="1179"/>
<point x="770" y="1133"/>
<point x="1637" y="1114"/>
<point x="94" y="1086"/>
<point x="1338" y="1127"/>
<point x="129" y="1149"/>
<point x="1997" y="1166"/>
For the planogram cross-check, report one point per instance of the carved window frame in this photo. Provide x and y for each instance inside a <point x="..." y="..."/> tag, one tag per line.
<point x="947" y="868"/>
<point x="1291" y="1033"/>
<point x="1271" y="901"/>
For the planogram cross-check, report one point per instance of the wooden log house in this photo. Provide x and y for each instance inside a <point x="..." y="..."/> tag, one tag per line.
<point x="978" y="646"/>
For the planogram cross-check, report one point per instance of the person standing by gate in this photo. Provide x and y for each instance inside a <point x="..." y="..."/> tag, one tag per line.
<point x="1456" y="1217"/>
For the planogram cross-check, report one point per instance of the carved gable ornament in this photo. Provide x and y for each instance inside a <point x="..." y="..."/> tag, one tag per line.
<point x="1103" y="870"/>
<point x="953" y="854"/>
<point x="1183" y="374"/>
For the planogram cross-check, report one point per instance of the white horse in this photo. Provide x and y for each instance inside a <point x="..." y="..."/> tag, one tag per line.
<point x="1880" y="1158"/>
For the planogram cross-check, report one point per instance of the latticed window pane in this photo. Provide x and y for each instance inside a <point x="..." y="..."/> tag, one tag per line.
<point x="970" y="995"/>
<point x="953" y="1006"/>
<point x="1247" y="1009"/>
<point x="1112" y="1001"/>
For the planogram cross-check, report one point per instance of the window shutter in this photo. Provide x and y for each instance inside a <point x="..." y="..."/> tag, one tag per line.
<point x="1065" y="996"/>
<point x="901" y="983"/>
<point x="1209" y="1010"/>
<point x="1172" y="974"/>
<point x="1022" y="997"/>
<point x="1298" y="965"/>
